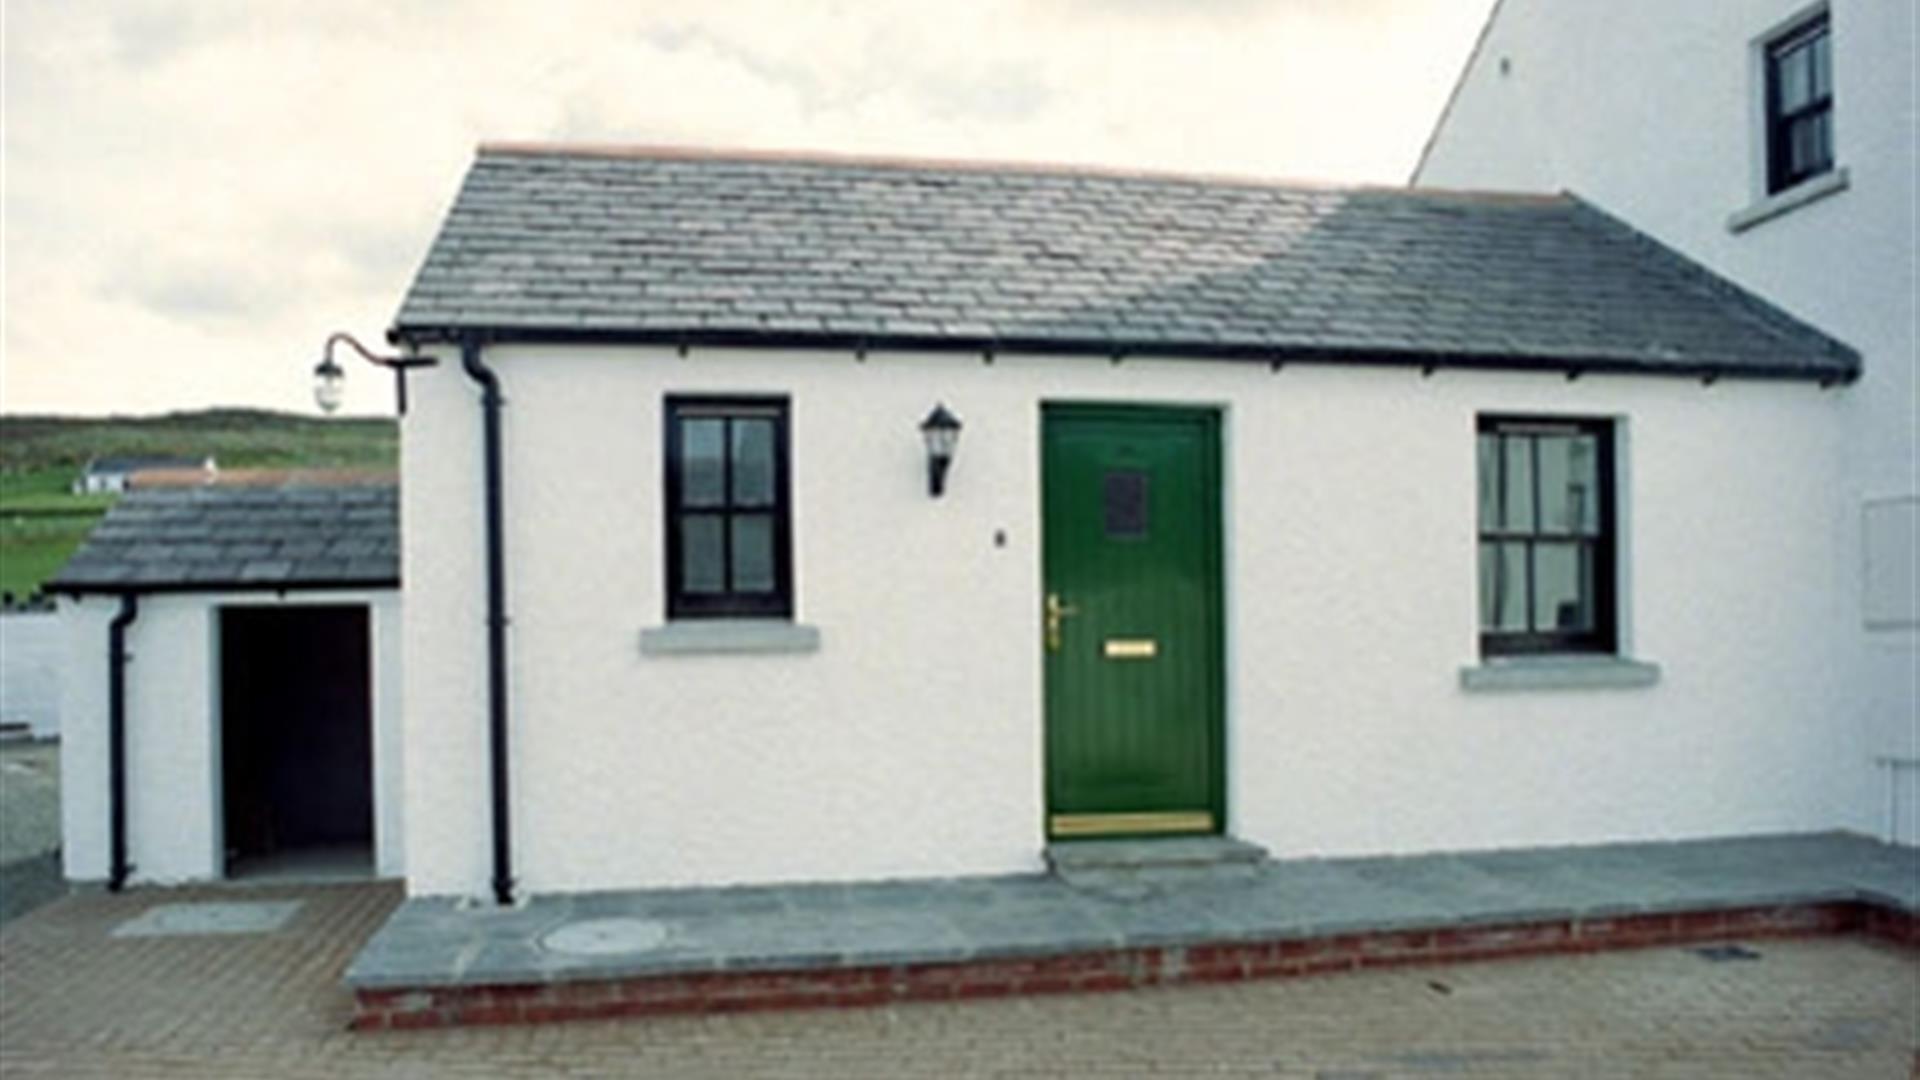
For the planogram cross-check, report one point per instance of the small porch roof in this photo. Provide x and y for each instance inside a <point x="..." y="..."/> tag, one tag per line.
<point x="277" y="536"/>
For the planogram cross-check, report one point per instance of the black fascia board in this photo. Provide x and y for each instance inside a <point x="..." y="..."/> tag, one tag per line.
<point x="1826" y="372"/>
<point x="117" y="588"/>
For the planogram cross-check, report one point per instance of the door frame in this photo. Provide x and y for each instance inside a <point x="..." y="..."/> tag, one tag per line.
<point x="1211" y="420"/>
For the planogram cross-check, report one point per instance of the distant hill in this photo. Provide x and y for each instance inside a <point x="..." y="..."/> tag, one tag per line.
<point x="30" y="444"/>
<point x="41" y="522"/>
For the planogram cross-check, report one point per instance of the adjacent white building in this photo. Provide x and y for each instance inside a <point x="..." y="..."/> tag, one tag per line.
<point x="1335" y="521"/>
<point x="1774" y="141"/>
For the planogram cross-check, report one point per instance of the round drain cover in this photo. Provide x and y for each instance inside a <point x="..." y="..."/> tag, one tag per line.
<point x="605" y="937"/>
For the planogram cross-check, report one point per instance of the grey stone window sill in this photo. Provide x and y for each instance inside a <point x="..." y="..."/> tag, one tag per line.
<point x="729" y="636"/>
<point x="1559" y="673"/>
<point x="1780" y="202"/>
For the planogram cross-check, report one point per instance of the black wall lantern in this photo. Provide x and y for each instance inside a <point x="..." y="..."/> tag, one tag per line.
<point x="941" y="430"/>
<point x="330" y="379"/>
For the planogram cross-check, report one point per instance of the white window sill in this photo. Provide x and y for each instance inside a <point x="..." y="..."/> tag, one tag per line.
<point x="707" y="637"/>
<point x="1793" y="198"/>
<point x="1559" y="673"/>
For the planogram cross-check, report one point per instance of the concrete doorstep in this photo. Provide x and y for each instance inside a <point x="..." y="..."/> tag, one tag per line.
<point x="438" y="962"/>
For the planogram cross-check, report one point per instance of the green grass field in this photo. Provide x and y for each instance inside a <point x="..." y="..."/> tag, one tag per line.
<point x="31" y="549"/>
<point x="41" y="522"/>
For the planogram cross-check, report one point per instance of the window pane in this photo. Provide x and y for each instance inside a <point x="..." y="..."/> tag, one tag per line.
<point x="753" y="463"/>
<point x="1125" y="500"/>
<point x="1488" y="452"/>
<point x="702" y="554"/>
<point x="703" y="462"/>
<point x="1569" y="485"/>
<point x="1807" y="151"/>
<point x="1793" y="72"/>
<point x="1516" y="485"/>
<point x="1562" y="588"/>
<point x="753" y="553"/>
<point x="1821" y="74"/>
<point x="1503" y="587"/>
<point x="1799" y="147"/>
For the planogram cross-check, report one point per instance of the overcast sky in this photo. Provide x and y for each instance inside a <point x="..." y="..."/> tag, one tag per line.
<point x="196" y="193"/>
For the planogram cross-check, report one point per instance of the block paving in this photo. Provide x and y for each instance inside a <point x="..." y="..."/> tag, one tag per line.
<point x="77" y="1002"/>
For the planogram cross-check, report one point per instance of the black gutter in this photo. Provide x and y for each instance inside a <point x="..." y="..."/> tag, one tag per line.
<point x="85" y="588"/>
<point x="1840" y="366"/>
<point x="489" y="382"/>
<point x="117" y="739"/>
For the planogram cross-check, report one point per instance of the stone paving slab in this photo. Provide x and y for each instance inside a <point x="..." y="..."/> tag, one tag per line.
<point x="209" y="917"/>
<point x="440" y="942"/>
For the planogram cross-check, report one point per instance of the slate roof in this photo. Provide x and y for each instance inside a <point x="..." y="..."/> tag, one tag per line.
<point x="676" y="246"/>
<point x="204" y="538"/>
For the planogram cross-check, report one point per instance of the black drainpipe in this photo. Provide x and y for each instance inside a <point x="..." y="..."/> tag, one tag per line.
<point x="117" y="738"/>
<point x="489" y="382"/>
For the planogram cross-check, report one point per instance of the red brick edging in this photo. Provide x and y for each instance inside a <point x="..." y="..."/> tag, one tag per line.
<point x="1081" y="972"/>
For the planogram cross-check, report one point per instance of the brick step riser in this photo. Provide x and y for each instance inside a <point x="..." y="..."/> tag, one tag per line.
<point x="1126" y="969"/>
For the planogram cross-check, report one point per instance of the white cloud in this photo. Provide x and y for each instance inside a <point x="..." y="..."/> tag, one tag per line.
<point x="196" y="193"/>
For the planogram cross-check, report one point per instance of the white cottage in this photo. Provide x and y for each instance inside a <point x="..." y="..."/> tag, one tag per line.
<point x="1333" y="520"/>
<point x="1773" y="141"/>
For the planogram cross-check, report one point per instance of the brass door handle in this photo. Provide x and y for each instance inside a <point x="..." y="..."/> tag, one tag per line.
<point x="1056" y="611"/>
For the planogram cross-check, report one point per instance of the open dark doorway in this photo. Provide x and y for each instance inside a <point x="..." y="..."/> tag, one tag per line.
<point x="296" y="741"/>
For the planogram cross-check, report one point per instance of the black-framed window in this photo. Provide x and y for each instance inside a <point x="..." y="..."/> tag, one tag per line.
<point x="729" y="519"/>
<point x="1799" y="105"/>
<point x="1546" y="509"/>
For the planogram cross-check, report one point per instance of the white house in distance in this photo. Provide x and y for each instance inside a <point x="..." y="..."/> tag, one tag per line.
<point x="1337" y="521"/>
<point x="110" y="476"/>
<point x="1772" y="141"/>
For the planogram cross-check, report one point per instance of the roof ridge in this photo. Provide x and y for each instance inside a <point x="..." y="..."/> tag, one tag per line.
<point x="1064" y="169"/>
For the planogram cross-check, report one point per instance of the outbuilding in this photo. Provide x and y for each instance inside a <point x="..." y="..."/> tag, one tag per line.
<point x="233" y="688"/>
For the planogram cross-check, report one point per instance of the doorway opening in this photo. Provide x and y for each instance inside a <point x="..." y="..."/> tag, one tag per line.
<point x="296" y="738"/>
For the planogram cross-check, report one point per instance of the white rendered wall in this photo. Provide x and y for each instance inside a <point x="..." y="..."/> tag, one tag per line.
<point x="910" y="744"/>
<point x="1650" y="110"/>
<point x="174" y="808"/>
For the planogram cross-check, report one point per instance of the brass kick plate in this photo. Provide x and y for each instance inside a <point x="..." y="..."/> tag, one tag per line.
<point x="1130" y="648"/>
<point x="1167" y="821"/>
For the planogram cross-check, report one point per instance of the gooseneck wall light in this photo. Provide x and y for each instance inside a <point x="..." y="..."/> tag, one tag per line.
<point x="330" y="379"/>
<point x="941" y="430"/>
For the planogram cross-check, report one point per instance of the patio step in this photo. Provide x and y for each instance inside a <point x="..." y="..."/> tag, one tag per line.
<point x="1171" y="913"/>
<point x="1130" y="869"/>
<point x="1082" y="856"/>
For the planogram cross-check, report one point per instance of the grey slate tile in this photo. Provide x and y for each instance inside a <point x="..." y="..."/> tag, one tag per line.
<point x="552" y="240"/>
<point x="247" y="536"/>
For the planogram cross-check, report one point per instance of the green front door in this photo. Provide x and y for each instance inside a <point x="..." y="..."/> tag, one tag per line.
<point x="1131" y="620"/>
